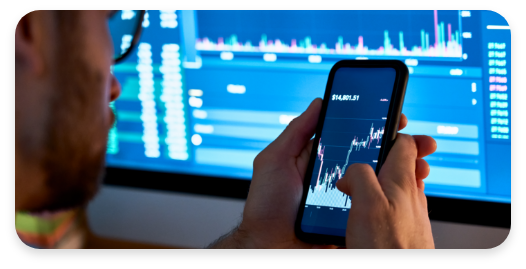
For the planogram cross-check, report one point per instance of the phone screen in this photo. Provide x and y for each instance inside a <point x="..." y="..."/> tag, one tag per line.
<point x="352" y="132"/>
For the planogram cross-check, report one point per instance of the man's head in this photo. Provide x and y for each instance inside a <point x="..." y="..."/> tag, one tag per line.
<point x="63" y="90"/>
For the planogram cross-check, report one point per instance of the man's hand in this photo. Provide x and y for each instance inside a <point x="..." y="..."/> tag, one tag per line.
<point x="277" y="185"/>
<point x="390" y="211"/>
<point x="276" y="188"/>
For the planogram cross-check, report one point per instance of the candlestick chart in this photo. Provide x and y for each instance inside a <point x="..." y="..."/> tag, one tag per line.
<point x="323" y="191"/>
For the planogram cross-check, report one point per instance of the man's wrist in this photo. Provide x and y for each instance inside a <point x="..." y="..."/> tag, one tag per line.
<point x="237" y="238"/>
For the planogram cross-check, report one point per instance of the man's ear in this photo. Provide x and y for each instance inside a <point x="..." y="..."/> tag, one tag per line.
<point x="28" y="43"/>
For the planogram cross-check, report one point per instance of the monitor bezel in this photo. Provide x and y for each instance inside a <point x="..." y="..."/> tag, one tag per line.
<point x="483" y="213"/>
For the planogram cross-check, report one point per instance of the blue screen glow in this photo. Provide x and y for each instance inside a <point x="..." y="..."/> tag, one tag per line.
<point x="205" y="91"/>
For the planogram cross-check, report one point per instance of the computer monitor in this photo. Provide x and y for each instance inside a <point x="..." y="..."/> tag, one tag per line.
<point x="205" y="91"/>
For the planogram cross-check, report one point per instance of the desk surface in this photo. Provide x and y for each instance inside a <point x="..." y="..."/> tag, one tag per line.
<point x="143" y="214"/>
<point x="92" y="241"/>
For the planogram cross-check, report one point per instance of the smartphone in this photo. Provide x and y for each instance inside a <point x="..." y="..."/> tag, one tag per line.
<point x="358" y="123"/>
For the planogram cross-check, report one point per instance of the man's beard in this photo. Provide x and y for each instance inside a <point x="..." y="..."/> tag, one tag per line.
<point x="74" y="160"/>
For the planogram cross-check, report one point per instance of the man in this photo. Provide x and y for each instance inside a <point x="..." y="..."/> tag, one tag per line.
<point x="64" y="86"/>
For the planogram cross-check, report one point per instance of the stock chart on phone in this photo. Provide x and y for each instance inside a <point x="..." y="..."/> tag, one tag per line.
<point x="360" y="100"/>
<point x="205" y="91"/>
<point x="352" y="133"/>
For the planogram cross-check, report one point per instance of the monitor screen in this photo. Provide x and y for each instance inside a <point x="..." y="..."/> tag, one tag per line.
<point x="205" y="91"/>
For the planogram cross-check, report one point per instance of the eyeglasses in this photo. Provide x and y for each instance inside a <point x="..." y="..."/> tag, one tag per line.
<point x="125" y="29"/>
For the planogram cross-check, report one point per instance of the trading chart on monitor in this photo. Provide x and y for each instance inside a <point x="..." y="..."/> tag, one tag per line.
<point x="205" y="91"/>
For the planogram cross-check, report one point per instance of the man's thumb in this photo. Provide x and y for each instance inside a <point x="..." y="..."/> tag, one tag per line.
<point x="294" y="138"/>
<point x="360" y="182"/>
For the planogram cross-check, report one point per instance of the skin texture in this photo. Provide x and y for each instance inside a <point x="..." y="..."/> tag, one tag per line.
<point x="62" y="118"/>
<point x="277" y="184"/>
